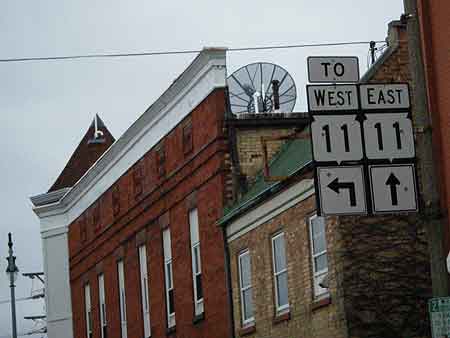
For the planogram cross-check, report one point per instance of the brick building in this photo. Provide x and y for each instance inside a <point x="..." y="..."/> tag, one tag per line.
<point x="130" y="243"/>
<point x="295" y="274"/>
<point x="132" y="247"/>
<point x="433" y="47"/>
<point x="279" y="252"/>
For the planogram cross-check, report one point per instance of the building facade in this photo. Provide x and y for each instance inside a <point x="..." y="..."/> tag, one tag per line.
<point x="429" y="27"/>
<point x="295" y="274"/>
<point x="130" y="248"/>
<point x="196" y="223"/>
<point x="280" y="252"/>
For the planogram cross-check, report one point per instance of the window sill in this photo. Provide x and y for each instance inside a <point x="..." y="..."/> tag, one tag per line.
<point x="320" y="303"/>
<point x="283" y="316"/>
<point x="198" y="318"/>
<point x="246" y="330"/>
<point x="171" y="330"/>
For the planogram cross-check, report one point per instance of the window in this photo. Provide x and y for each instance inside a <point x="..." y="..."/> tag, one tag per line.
<point x="122" y="299"/>
<point x="280" y="272"/>
<point x="102" y="304"/>
<point x="144" y="290"/>
<point x="196" y="262"/>
<point x="87" y="302"/>
<point x="318" y="253"/>
<point x="245" y="286"/>
<point x="168" y="278"/>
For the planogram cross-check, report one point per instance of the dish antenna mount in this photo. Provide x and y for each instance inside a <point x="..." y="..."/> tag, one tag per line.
<point x="261" y="88"/>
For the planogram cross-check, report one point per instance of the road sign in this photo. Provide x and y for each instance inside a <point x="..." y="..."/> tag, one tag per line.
<point x="336" y="138"/>
<point x="341" y="190"/>
<point x="393" y="188"/>
<point x="388" y="135"/>
<point x="448" y="262"/>
<point x="333" y="69"/>
<point x="332" y="97"/>
<point x="439" y="309"/>
<point x="384" y="96"/>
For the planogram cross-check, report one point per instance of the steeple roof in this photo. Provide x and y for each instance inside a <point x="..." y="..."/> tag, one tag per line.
<point x="94" y="143"/>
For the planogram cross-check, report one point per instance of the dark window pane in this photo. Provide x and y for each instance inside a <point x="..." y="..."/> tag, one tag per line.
<point x="105" y="332"/>
<point x="318" y="225"/>
<point x="245" y="270"/>
<point x="196" y="259"/>
<point x="321" y="262"/>
<point x="169" y="275"/>
<point x="198" y="280"/>
<point x="282" y="290"/>
<point x="171" y="304"/>
<point x="89" y="321"/>
<point x="248" y="303"/>
<point x="319" y="243"/>
<point x="279" y="253"/>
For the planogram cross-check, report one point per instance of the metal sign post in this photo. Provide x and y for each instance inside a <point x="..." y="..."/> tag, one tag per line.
<point x="439" y="309"/>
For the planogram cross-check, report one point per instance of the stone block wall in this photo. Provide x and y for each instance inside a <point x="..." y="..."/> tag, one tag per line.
<point x="308" y="317"/>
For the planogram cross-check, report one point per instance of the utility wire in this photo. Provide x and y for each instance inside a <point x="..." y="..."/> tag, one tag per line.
<point x="17" y="300"/>
<point x="175" y="52"/>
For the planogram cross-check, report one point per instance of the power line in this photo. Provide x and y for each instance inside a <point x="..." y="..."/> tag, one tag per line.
<point x="176" y="52"/>
<point x="17" y="300"/>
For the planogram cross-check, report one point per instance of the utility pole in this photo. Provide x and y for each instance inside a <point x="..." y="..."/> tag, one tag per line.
<point x="424" y="144"/>
<point x="12" y="271"/>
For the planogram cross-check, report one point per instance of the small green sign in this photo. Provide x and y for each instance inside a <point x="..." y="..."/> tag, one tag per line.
<point x="439" y="309"/>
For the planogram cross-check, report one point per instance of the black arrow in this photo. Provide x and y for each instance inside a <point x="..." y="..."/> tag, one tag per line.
<point x="393" y="181"/>
<point x="336" y="186"/>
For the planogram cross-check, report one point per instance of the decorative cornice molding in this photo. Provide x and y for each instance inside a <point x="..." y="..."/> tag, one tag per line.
<point x="49" y="198"/>
<point x="205" y="74"/>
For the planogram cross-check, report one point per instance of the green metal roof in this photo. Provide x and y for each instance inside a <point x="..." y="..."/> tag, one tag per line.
<point x="293" y="156"/>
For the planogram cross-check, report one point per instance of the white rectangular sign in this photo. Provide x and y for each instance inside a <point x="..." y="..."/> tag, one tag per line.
<point x="389" y="136"/>
<point x="384" y="96"/>
<point x="342" y="190"/>
<point x="393" y="188"/>
<point x="336" y="138"/>
<point x="332" y="97"/>
<point x="333" y="69"/>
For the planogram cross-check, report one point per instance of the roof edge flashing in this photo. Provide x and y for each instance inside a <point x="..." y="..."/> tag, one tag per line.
<point x="206" y="73"/>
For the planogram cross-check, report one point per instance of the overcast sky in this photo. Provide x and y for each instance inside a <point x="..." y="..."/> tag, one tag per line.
<point x="47" y="106"/>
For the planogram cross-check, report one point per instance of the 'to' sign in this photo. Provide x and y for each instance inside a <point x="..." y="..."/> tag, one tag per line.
<point x="333" y="69"/>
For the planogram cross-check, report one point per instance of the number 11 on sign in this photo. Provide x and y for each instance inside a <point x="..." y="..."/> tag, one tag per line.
<point x="336" y="138"/>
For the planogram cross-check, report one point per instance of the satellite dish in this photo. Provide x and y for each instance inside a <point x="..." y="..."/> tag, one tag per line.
<point x="261" y="88"/>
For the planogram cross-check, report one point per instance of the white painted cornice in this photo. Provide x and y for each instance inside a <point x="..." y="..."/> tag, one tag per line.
<point x="206" y="73"/>
<point x="269" y="209"/>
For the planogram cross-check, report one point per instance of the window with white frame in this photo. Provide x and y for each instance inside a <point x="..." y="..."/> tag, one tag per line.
<point x="245" y="287"/>
<point x="88" y="309"/>
<point x="196" y="262"/>
<point x="122" y="299"/>
<point x="168" y="278"/>
<point x="102" y="306"/>
<point x="318" y="253"/>
<point x="280" y="272"/>
<point x="144" y="290"/>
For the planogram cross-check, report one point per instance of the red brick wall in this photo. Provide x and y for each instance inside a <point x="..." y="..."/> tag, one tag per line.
<point x="434" y="18"/>
<point x="142" y="198"/>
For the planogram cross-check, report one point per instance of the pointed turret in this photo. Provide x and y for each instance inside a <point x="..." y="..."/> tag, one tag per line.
<point x="94" y="143"/>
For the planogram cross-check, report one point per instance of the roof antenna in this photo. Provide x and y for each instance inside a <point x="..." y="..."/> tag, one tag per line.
<point x="372" y="51"/>
<point x="98" y="134"/>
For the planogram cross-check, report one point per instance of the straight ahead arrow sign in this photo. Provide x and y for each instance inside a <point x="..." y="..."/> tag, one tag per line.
<point x="336" y="187"/>
<point x="393" y="181"/>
